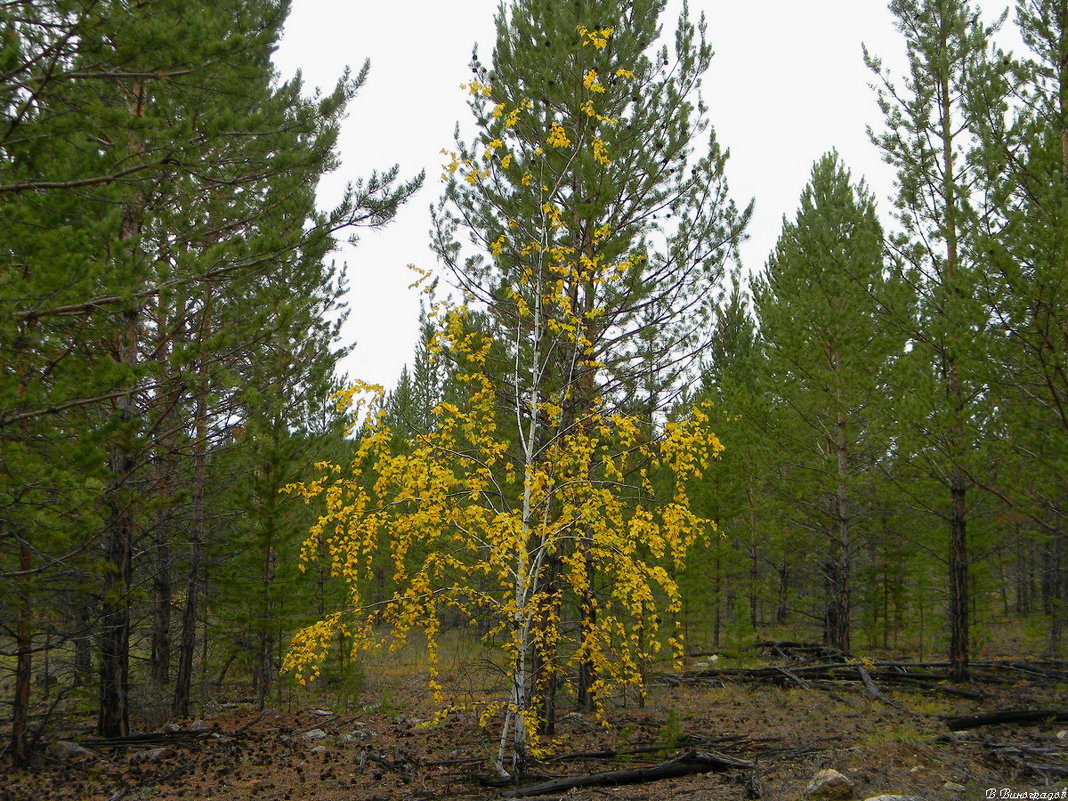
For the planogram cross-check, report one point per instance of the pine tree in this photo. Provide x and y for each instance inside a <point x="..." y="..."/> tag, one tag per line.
<point x="930" y="131"/>
<point x="1025" y="181"/>
<point x="732" y="380"/>
<point x="154" y="181"/>
<point x="827" y="352"/>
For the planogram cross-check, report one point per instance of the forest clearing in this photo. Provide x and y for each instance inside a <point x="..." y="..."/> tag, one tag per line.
<point x="637" y="518"/>
<point x="375" y="743"/>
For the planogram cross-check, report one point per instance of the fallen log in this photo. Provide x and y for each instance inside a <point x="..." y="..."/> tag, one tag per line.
<point x="875" y="692"/>
<point x="804" y="685"/>
<point x="684" y="765"/>
<point x="1007" y="716"/>
<point x="153" y="739"/>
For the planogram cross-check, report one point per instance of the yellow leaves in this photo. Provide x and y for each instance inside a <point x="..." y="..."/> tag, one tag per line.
<point x="557" y="136"/>
<point x="474" y="176"/>
<point x="454" y="162"/>
<point x="599" y="153"/>
<point x="598" y="38"/>
<point x="491" y="146"/>
<point x="471" y="172"/>
<point x="591" y="111"/>
<point x="506" y="161"/>
<point x="444" y="512"/>
<point x="624" y="73"/>
<point x="552" y="214"/>
<point x="477" y="88"/>
<point x="590" y="81"/>
<point x="497" y="247"/>
<point x="513" y="116"/>
<point x="422" y="276"/>
<point x="527" y="179"/>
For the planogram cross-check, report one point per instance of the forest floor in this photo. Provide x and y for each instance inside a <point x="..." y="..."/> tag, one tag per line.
<point x="378" y="748"/>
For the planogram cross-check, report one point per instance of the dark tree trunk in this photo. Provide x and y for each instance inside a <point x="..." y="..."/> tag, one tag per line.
<point x="264" y="673"/>
<point x="783" y="606"/>
<point x="543" y="658"/>
<point x="114" y="715"/>
<point x="161" y="609"/>
<point x="1059" y="606"/>
<point x="83" y="644"/>
<point x="836" y="613"/>
<point x="717" y="611"/>
<point x="587" y="672"/>
<point x="839" y="567"/>
<point x="24" y="658"/>
<point x="958" y="582"/>
<point x="197" y="529"/>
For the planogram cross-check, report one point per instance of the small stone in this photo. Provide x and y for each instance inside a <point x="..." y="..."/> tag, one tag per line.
<point x="64" y="749"/>
<point x="1062" y="734"/>
<point x="953" y="787"/>
<point x="151" y="755"/>
<point x="314" y="734"/>
<point x="323" y="713"/>
<point x="360" y="734"/>
<point x="198" y="725"/>
<point x="171" y="728"/>
<point x="830" y="784"/>
<point x="320" y="749"/>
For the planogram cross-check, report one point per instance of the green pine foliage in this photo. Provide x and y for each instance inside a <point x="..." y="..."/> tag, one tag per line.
<point x="818" y="306"/>
<point x="164" y="284"/>
<point x="894" y="405"/>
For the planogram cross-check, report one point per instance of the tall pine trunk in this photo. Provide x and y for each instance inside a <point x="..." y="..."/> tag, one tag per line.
<point x="114" y="715"/>
<point x="161" y="609"/>
<point x="839" y="567"/>
<point x="958" y="483"/>
<point x="23" y="657"/>
<point x="197" y="531"/>
<point x="20" y="707"/>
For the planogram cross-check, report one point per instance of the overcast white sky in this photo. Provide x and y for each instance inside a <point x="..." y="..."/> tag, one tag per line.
<point x="787" y="84"/>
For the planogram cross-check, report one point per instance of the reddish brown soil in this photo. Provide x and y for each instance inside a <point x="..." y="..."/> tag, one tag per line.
<point x="378" y="752"/>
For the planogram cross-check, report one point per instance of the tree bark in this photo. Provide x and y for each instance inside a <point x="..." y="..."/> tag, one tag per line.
<point x="24" y="658"/>
<point x="197" y="535"/>
<point x="837" y="632"/>
<point x="114" y="715"/>
<point x="955" y="397"/>
<point x="958" y="583"/>
<point x="161" y="609"/>
<point x="1007" y="716"/>
<point x="113" y="719"/>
